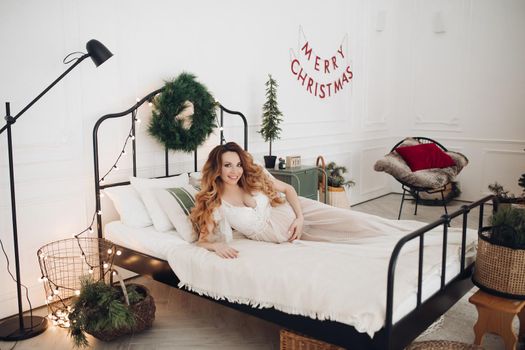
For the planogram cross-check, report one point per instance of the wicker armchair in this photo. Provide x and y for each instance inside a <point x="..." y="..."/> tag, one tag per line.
<point x="433" y="180"/>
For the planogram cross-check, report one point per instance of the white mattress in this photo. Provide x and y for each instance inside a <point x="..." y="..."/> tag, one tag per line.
<point x="145" y="240"/>
<point x="164" y="245"/>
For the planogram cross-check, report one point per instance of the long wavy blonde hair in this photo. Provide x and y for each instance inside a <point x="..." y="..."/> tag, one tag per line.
<point x="208" y="199"/>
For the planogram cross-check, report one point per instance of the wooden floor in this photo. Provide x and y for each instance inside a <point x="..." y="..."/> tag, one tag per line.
<point x="184" y="321"/>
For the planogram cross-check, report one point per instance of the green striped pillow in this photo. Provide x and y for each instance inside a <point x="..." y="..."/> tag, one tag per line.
<point x="177" y="204"/>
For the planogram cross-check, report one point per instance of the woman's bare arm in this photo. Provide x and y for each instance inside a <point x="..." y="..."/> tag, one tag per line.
<point x="296" y="228"/>
<point x="220" y="248"/>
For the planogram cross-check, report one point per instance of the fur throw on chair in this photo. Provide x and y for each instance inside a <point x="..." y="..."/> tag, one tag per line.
<point x="393" y="164"/>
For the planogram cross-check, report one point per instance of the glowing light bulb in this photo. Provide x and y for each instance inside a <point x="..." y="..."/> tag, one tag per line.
<point x="133" y="137"/>
<point x="110" y="251"/>
<point x="99" y="212"/>
<point x="138" y="99"/>
<point x="41" y="279"/>
<point x="44" y="279"/>
<point x="105" y="265"/>
<point x="102" y="180"/>
<point x="114" y="273"/>
<point x="90" y="230"/>
<point x="49" y="297"/>
<point x="124" y="153"/>
<point x="90" y="271"/>
<point x="138" y="121"/>
<point x="150" y="104"/>
<point x="56" y="291"/>
<point x="77" y="292"/>
<point x="221" y="128"/>
<point x="119" y="252"/>
<point x="102" y="195"/>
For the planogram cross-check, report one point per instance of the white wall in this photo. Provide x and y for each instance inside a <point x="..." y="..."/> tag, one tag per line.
<point x="463" y="86"/>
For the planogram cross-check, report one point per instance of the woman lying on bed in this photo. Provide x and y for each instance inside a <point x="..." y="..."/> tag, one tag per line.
<point x="237" y="193"/>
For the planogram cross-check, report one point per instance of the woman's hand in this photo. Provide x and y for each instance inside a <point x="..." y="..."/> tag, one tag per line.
<point x="296" y="229"/>
<point x="225" y="251"/>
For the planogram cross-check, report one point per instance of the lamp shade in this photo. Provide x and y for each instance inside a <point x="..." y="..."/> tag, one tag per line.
<point x="98" y="52"/>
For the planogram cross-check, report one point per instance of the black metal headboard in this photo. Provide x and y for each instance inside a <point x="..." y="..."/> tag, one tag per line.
<point x="131" y="112"/>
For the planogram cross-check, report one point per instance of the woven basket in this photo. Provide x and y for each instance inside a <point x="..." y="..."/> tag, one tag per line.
<point x="144" y="312"/>
<point x="442" y="345"/>
<point x="295" y="341"/>
<point x="499" y="269"/>
<point x="336" y="195"/>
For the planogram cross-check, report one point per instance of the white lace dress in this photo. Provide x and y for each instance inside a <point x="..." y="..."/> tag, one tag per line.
<point x="321" y="223"/>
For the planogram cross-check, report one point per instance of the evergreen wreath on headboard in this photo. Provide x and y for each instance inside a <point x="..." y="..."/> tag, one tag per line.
<point x="183" y="115"/>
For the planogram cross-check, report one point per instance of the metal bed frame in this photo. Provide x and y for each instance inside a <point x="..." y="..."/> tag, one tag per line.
<point x="391" y="336"/>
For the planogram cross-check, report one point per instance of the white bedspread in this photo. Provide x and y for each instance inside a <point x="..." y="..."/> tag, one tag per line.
<point x="340" y="282"/>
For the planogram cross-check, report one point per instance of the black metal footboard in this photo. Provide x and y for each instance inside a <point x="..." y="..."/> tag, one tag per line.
<point x="398" y="336"/>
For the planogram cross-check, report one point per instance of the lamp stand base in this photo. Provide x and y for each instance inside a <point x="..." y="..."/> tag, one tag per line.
<point x="10" y="328"/>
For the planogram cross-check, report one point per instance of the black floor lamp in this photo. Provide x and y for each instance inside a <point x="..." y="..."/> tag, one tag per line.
<point x="22" y="327"/>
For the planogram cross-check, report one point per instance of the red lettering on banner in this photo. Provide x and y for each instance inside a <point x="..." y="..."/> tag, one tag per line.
<point x="302" y="77"/>
<point x="294" y="62"/>
<point x="316" y="65"/>
<point x="307" y="50"/>
<point x="345" y="79"/>
<point x="329" y="67"/>
<point x="322" y="94"/>
<point x="309" y="86"/>
<point x="337" y="85"/>
<point x="291" y="66"/>
<point x="334" y="62"/>
<point x="340" y="51"/>
<point x="350" y="74"/>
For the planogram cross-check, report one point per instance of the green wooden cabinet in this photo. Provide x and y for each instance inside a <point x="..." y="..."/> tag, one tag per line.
<point x="303" y="179"/>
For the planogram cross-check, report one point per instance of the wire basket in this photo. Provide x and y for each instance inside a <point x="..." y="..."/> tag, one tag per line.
<point x="63" y="264"/>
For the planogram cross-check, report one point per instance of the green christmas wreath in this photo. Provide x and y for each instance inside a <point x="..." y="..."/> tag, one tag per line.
<point x="183" y="115"/>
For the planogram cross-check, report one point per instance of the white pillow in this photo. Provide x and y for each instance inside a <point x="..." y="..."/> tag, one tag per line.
<point x="195" y="179"/>
<point x="129" y="206"/>
<point x="144" y="188"/>
<point x="177" y="203"/>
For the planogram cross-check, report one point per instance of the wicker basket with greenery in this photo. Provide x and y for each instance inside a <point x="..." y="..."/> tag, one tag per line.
<point x="331" y="179"/>
<point x="108" y="312"/>
<point x="501" y="255"/>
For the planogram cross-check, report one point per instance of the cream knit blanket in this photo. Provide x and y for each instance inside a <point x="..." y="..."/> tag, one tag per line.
<point x="325" y="281"/>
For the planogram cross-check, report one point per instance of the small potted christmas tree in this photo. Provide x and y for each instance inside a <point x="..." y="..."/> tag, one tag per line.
<point x="271" y="119"/>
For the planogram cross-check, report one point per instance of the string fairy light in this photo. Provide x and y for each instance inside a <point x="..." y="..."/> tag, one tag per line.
<point x="58" y="295"/>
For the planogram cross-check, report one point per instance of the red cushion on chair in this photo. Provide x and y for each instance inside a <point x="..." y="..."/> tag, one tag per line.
<point x="425" y="156"/>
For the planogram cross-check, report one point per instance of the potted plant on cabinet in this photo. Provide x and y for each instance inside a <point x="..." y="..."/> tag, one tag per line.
<point x="331" y="179"/>
<point x="271" y="118"/>
<point x="501" y="254"/>
<point x="107" y="312"/>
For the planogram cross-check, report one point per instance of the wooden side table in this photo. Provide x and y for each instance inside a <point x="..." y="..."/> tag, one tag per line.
<point x="495" y="315"/>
